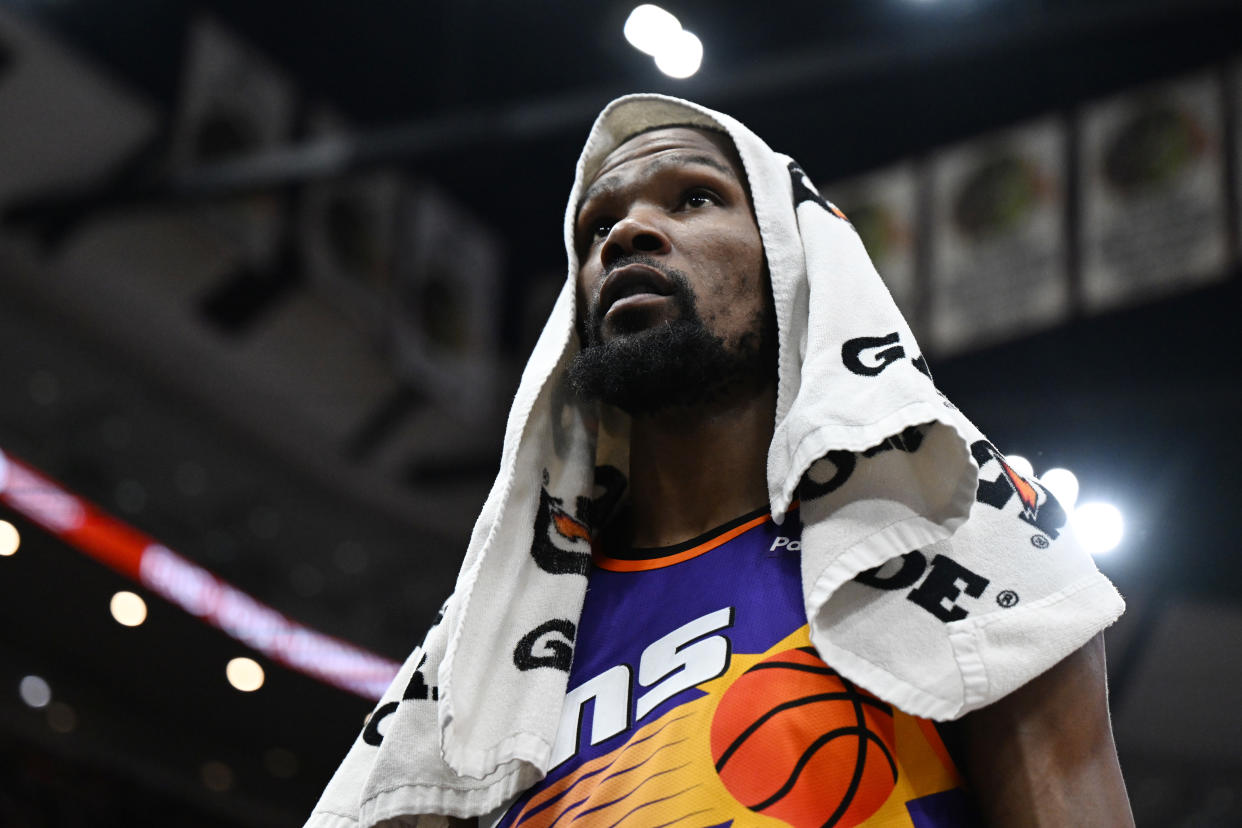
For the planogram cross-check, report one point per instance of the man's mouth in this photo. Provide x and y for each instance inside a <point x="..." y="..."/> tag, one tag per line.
<point x="631" y="285"/>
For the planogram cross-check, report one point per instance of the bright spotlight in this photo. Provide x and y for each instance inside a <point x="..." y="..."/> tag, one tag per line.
<point x="35" y="691"/>
<point x="1099" y="526"/>
<point x="681" y="58"/>
<point x="1020" y="464"/>
<point x="244" y="674"/>
<point x="128" y="608"/>
<point x="1063" y="484"/>
<point x="651" y="29"/>
<point x="10" y="538"/>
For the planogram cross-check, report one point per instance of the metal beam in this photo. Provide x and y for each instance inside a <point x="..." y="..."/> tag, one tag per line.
<point x="481" y="127"/>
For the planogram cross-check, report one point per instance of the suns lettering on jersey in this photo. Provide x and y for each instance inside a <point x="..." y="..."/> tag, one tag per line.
<point x="696" y="699"/>
<point x="687" y="656"/>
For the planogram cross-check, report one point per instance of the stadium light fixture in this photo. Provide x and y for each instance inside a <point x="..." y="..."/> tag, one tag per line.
<point x="1099" y="526"/>
<point x="656" y="32"/>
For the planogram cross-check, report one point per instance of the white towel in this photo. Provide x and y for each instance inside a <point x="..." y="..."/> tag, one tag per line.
<point x="933" y="575"/>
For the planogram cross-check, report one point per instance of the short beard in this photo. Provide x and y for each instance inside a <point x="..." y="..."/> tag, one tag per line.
<point x="679" y="364"/>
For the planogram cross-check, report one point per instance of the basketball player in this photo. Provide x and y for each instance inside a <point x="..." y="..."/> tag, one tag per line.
<point x="695" y="696"/>
<point x="678" y="330"/>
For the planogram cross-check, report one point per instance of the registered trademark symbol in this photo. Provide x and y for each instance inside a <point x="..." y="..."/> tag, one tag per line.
<point x="1039" y="542"/>
<point x="1007" y="598"/>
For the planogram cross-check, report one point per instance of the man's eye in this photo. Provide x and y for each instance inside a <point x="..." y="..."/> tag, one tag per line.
<point x="700" y="198"/>
<point x="600" y="229"/>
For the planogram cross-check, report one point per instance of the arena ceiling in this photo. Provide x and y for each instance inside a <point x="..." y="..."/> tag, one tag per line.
<point x="242" y="419"/>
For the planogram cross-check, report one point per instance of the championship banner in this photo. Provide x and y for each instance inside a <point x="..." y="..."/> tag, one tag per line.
<point x="1235" y="108"/>
<point x="346" y="232"/>
<point x="882" y="205"/>
<point x="998" y="263"/>
<point x="1153" y="192"/>
<point x="446" y="302"/>
<point x="234" y="103"/>
<point x="413" y="269"/>
<point x="64" y="124"/>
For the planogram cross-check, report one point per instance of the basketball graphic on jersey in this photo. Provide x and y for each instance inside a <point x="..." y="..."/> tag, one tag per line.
<point x="794" y="740"/>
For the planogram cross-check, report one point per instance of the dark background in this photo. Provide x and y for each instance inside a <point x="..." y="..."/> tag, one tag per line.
<point x="226" y="416"/>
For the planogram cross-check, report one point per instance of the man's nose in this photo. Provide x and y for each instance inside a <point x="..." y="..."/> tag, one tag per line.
<point x="638" y="232"/>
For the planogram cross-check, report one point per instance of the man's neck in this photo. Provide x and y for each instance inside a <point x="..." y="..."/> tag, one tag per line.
<point x="692" y="470"/>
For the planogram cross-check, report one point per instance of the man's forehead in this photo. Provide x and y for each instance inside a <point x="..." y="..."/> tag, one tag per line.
<point x="670" y="145"/>
<point x="669" y="139"/>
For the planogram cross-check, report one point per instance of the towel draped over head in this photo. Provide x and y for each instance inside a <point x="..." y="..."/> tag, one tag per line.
<point x="933" y="574"/>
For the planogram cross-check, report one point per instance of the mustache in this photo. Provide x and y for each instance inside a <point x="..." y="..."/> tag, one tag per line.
<point x="681" y="293"/>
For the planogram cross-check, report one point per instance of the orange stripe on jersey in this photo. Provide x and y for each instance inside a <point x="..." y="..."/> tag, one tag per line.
<point x="618" y="565"/>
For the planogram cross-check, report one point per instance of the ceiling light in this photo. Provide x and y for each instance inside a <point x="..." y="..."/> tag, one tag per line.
<point x="651" y="29"/>
<point x="244" y="674"/>
<point x="10" y="538"/>
<point x="35" y="691"/>
<point x="216" y="775"/>
<point x="1099" y="526"/>
<point x="128" y="608"/>
<point x="61" y="717"/>
<point x="682" y="57"/>
<point x="1063" y="484"/>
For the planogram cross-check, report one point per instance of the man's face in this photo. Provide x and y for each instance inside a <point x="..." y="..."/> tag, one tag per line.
<point x="671" y="273"/>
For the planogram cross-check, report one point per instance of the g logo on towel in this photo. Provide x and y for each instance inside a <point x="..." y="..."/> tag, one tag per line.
<point x="553" y="652"/>
<point x="852" y="352"/>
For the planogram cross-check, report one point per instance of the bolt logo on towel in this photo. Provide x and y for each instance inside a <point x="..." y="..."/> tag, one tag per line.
<point x="562" y="542"/>
<point x="1037" y="506"/>
<point x="804" y="190"/>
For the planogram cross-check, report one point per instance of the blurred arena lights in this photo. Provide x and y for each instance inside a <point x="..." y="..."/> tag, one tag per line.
<point x="216" y="776"/>
<point x="1099" y="526"/>
<point x="61" y="717"/>
<point x="683" y="58"/>
<point x="128" y="608"/>
<point x="1063" y="484"/>
<point x="35" y="691"/>
<point x="656" y="32"/>
<point x="10" y="539"/>
<point x="244" y="674"/>
<point x="651" y="29"/>
<point x="88" y="528"/>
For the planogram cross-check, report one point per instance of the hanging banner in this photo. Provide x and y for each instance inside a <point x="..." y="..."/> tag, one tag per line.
<point x="234" y="103"/>
<point x="998" y="248"/>
<point x="1153" y="192"/>
<point x="882" y="205"/>
<point x="445" y="302"/>
<point x="66" y="124"/>
<point x="1235" y="107"/>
